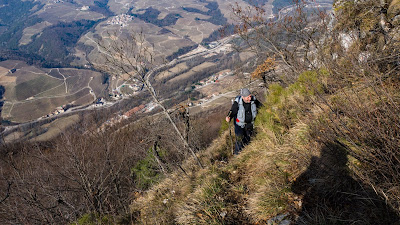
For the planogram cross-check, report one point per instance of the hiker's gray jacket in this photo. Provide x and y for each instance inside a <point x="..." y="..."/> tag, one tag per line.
<point x="242" y="112"/>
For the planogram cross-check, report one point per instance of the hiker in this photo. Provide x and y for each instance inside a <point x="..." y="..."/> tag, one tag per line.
<point x="244" y="112"/>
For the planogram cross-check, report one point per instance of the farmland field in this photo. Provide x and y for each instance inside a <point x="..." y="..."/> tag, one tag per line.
<point x="63" y="33"/>
<point x="56" y="127"/>
<point x="35" y="86"/>
<point x="35" y="108"/>
<point x="55" y="73"/>
<point x="172" y="71"/>
<point x="32" y="92"/>
<point x="53" y="91"/>
<point x="192" y="71"/>
<point x="31" y="110"/>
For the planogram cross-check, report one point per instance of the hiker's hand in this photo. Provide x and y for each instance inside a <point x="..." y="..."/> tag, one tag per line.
<point x="227" y="119"/>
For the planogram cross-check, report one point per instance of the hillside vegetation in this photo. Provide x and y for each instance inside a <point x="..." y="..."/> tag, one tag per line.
<point x="326" y="149"/>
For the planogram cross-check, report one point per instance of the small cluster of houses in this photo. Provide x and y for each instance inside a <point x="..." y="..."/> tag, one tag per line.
<point x="222" y="48"/>
<point x="115" y="94"/>
<point x="213" y="44"/>
<point x="203" y="100"/>
<point x="119" y="118"/>
<point x="57" y="111"/>
<point x="99" y="102"/>
<point x="214" y="78"/>
<point x="128" y="114"/>
<point x="134" y="87"/>
<point x="121" y="20"/>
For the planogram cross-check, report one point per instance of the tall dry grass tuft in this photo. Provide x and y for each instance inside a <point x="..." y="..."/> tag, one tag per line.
<point x="365" y="118"/>
<point x="175" y="198"/>
<point x="250" y="188"/>
<point x="327" y="139"/>
<point x="362" y="110"/>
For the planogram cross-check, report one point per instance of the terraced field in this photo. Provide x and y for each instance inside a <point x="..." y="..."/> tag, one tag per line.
<point x="191" y="72"/>
<point x="32" y="92"/>
<point x="172" y="71"/>
<point x="168" y="25"/>
<point x="62" y="33"/>
<point x="57" y="33"/>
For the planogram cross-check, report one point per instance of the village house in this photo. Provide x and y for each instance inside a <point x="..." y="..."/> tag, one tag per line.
<point x="134" y="110"/>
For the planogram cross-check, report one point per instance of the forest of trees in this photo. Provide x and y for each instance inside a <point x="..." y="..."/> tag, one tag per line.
<point x="49" y="49"/>
<point x="101" y="6"/>
<point x="216" y="17"/>
<point x="56" y="183"/>
<point x="13" y="10"/>
<point x="151" y="16"/>
<point x="55" y="42"/>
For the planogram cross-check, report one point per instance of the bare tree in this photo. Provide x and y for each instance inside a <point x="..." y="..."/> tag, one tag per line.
<point x="291" y="38"/>
<point x="133" y="57"/>
<point x="72" y="176"/>
<point x="353" y="58"/>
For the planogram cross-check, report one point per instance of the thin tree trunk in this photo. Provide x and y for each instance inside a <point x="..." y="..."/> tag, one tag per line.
<point x="157" y="157"/>
<point x="185" y="143"/>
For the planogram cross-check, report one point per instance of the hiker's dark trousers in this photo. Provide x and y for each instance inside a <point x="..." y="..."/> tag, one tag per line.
<point x="242" y="136"/>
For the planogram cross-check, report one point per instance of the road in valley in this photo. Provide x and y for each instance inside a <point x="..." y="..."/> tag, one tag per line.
<point x="40" y="121"/>
<point x="222" y="45"/>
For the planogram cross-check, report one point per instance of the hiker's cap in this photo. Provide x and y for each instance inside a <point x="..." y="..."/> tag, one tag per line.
<point x="245" y="92"/>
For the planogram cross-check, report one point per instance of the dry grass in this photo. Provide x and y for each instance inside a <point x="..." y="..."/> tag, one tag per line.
<point x="294" y="167"/>
<point x="171" y="72"/>
<point x="56" y="128"/>
<point x="192" y="71"/>
<point x="3" y="71"/>
<point x="270" y="168"/>
<point x="165" y="202"/>
<point x="248" y="189"/>
<point x="394" y="8"/>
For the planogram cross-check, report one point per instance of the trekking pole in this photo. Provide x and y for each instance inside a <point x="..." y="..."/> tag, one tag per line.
<point x="230" y="137"/>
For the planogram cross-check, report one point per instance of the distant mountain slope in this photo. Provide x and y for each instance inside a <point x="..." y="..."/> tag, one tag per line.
<point x="64" y="33"/>
<point x="56" y="42"/>
<point x="216" y="17"/>
<point x="58" y="33"/>
<point x="13" y="10"/>
<point x="151" y="16"/>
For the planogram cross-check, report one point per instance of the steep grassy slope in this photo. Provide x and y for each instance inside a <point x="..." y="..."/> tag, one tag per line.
<point x="326" y="144"/>
<point x="294" y="169"/>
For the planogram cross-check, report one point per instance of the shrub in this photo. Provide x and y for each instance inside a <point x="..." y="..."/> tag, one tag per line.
<point x="146" y="172"/>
